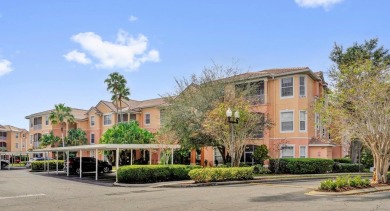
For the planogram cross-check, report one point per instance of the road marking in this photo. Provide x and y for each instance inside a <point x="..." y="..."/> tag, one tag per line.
<point x="22" y="196"/>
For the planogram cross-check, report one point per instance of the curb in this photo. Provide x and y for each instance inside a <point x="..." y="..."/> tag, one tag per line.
<point x="348" y="193"/>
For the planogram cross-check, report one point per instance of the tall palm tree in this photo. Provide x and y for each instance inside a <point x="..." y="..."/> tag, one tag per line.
<point x="61" y="115"/>
<point x="76" y="137"/>
<point x="116" y="84"/>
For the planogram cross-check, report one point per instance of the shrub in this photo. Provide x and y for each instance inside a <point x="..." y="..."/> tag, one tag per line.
<point x="259" y="169"/>
<point x="260" y="154"/>
<point x="343" y="182"/>
<point x="342" y="160"/>
<point x="301" y="165"/>
<point x="39" y="165"/>
<point x="347" y="167"/>
<point x="153" y="173"/>
<point x="221" y="174"/>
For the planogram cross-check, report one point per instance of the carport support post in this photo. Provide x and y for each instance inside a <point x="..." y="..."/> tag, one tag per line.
<point x="44" y="162"/>
<point x="172" y="156"/>
<point x="117" y="163"/>
<point x="97" y="167"/>
<point x="131" y="157"/>
<point x="57" y="162"/>
<point x="48" y="164"/>
<point x="67" y="163"/>
<point x="150" y="156"/>
<point x="81" y="163"/>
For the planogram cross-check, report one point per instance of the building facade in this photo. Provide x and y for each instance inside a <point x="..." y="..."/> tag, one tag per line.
<point x="13" y="139"/>
<point x="287" y="96"/>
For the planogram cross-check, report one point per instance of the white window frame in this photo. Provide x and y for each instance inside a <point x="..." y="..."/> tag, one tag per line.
<point x="281" y="88"/>
<point x="300" y="121"/>
<point x="16" y="145"/>
<point x="288" y="145"/>
<point x="94" y="121"/>
<point x="306" y="150"/>
<point x="31" y="139"/>
<point x="90" y="138"/>
<point x="17" y="135"/>
<point x="280" y="121"/>
<point x="108" y="114"/>
<point x="47" y="120"/>
<point x="305" y="85"/>
<point x="150" y="118"/>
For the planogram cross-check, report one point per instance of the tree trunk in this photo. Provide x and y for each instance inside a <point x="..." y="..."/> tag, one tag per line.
<point x="381" y="166"/>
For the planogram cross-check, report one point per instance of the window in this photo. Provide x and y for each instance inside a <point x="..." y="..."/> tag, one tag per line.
<point x="47" y="120"/>
<point x="16" y="145"/>
<point x="92" y="140"/>
<point x="3" y="144"/>
<point x="287" y="87"/>
<point x="3" y="135"/>
<point x="162" y="117"/>
<point x="258" y="132"/>
<point x="302" y="152"/>
<point x="302" y="86"/>
<point x="23" y="145"/>
<point x="123" y="117"/>
<point x="31" y="123"/>
<point x="17" y="135"/>
<point x="218" y="159"/>
<point x="287" y="151"/>
<point x="133" y="117"/>
<point x="287" y="121"/>
<point x="31" y="139"/>
<point x="253" y="91"/>
<point x="302" y="121"/>
<point x="147" y="119"/>
<point x="92" y="121"/>
<point x="107" y="119"/>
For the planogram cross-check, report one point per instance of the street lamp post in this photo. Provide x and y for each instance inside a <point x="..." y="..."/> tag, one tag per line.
<point x="231" y="125"/>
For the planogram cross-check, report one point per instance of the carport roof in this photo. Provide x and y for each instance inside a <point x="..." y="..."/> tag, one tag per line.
<point x="109" y="147"/>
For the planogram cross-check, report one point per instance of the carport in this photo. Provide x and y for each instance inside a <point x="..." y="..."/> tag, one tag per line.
<point x="102" y="147"/>
<point x="9" y="154"/>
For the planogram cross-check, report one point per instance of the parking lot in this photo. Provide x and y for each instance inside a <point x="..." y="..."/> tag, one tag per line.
<point x="22" y="190"/>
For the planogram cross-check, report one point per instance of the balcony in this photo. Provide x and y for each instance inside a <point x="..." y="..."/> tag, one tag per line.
<point x="256" y="99"/>
<point x="37" y="127"/>
<point x="3" y="138"/>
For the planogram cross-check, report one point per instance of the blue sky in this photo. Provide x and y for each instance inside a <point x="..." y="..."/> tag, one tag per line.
<point x="61" y="51"/>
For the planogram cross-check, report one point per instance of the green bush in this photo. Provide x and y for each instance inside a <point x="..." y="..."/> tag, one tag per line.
<point x="260" y="154"/>
<point x="221" y="174"/>
<point x="301" y="165"/>
<point x="260" y="169"/>
<point x="342" y="160"/>
<point x="347" y="167"/>
<point x="39" y="165"/>
<point x="153" y="173"/>
<point x="344" y="182"/>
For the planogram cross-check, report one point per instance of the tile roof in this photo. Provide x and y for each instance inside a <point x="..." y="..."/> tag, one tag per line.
<point x="77" y="113"/>
<point x="11" y="128"/>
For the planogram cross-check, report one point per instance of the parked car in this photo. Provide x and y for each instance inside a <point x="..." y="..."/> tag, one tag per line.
<point x="4" y="163"/>
<point x="88" y="165"/>
<point x="28" y="163"/>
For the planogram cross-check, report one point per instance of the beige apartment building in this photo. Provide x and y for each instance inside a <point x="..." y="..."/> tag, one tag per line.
<point x="286" y="95"/>
<point x="13" y="139"/>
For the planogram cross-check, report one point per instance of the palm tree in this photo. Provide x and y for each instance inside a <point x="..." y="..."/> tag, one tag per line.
<point x="61" y="115"/>
<point x="49" y="139"/>
<point x="76" y="137"/>
<point x="116" y="84"/>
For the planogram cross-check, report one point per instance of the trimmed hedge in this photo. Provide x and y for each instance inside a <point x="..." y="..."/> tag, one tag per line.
<point x="153" y="173"/>
<point x="342" y="160"/>
<point x="221" y="174"/>
<point x="301" y="165"/>
<point x="38" y="165"/>
<point x="344" y="182"/>
<point x="347" y="167"/>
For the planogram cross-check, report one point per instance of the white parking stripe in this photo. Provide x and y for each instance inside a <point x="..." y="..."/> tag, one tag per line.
<point x="22" y="196"/>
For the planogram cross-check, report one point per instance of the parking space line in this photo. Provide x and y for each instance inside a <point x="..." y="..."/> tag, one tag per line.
<point x="22" y="196"/>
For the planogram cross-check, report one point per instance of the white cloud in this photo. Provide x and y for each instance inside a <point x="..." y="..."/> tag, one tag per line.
<point x="133" y="18"/>
<point x="326" y="4"/>
<point x="77" y="56"/>
<point x="126" y="52"/>
<point x="5" y="67"/>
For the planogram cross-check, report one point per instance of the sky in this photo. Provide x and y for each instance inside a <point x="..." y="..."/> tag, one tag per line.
<point x="62" y="51"/>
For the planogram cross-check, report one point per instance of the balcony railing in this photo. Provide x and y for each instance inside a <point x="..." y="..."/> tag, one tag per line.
<point x="256" y="99"/>
<point x="3" y="138"/>
<point x="38" y="127"/>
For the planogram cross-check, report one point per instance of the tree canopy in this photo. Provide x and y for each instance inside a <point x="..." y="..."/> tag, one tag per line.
<point x="116" y="84"/>
<point x="127" y="133"/>
<point x="76" y="137"/>
<point x="60" y="115"/>
<point x="49" y="140"/>
<point x="360" y="105"/>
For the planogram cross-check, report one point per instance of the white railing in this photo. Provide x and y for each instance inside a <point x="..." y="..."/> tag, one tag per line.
<point x="256" y="99"/>
<point x="38" y="127"/>
<point x="3" y="138"/>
